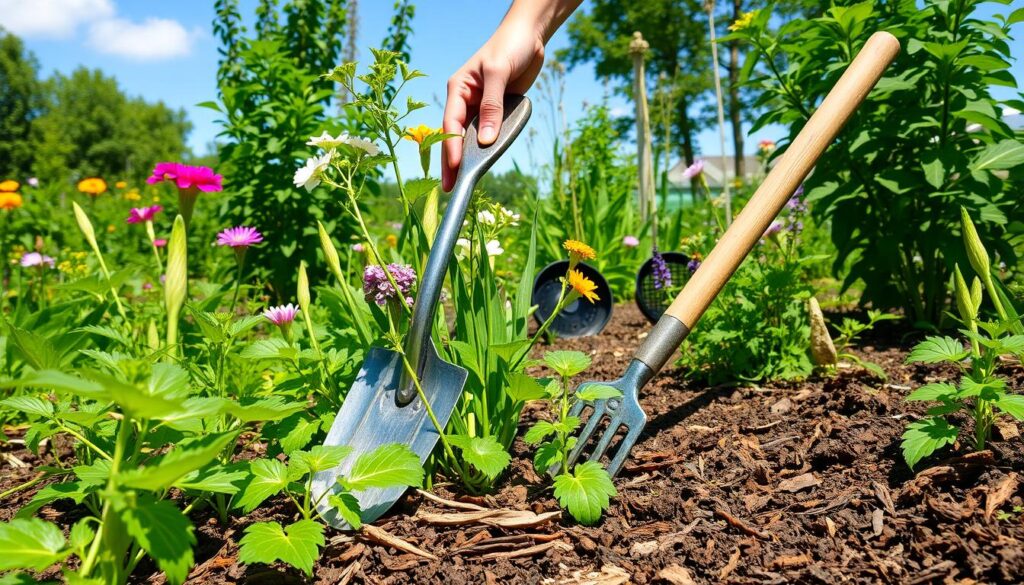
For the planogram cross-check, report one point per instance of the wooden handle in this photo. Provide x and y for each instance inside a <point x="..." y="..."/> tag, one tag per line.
<point x="791" y="169"/>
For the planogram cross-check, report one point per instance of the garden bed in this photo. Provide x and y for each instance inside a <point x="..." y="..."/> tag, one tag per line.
<point x="786" y="483"/>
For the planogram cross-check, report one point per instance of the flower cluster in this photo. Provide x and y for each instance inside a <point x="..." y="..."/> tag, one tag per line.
<point x="329" y="143"/>
<point x="743" y="21"/>
<point x="660" y="271"/>
<point x="187" y="177"/>
<point x="377" y="287"/>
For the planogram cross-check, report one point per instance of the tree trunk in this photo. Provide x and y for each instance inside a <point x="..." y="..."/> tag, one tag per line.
<point x="735" y="107"/>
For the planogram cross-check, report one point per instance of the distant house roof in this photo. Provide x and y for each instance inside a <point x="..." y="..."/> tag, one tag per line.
<point x="713" y="170"/>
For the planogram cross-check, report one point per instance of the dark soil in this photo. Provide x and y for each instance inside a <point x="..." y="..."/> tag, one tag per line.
<point x="785" y="483"/>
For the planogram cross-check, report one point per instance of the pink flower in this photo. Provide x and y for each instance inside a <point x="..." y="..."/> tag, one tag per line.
<point x="147" y="286"/>
<point x="143" y="214"/>
<point x="358" y="248"/>
<point x="693" y="170"/>
<point x="159" y="242"/>
<point x="32" y="259"/>
<point x="630" y="241"/>
<point x="281" y="315"/>
<point x="239" y="237"/>
<point x="187" y="176"/>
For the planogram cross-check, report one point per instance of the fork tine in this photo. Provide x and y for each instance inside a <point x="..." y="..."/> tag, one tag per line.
<point x="588" y="429"/>
<point x="624" y="448"/>
<point x="606" y="438"/>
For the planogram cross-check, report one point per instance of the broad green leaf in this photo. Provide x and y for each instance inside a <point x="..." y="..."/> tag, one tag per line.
<point x="169" y="380"/>
<point x="95" y="474"/>
<point x="272" y="408"/>
<point x="59" y="381"/>
<point x="187" y="456"/>
<point x="1012" y="404"/>
<point x="586" y="492"/>
<point x="546" y="456"/>
<point x="933" y="391"/>
<point x="269" y="476"/>
<point x="37" y="350"/>
<point x="483" y="453"/>
<point x="934" y="350"/>
<point x="567" y="363"/>
<point x="298" y="545"/>
<point x="540" y="430"/>
<point x="390" y="465"/>
<point x="524" y="388"/>
<point x="986" y="389"/>
<point x="567" y="425"/>
<point x="30" y="543"/>
<point x="348" y="507"/>
<point x="270" y="349"/>
<point x="26" y="579"/>
<point x="70" y="490"/>
<point x="1011" y="344"/>
<point x="1002" y="155"/>
<point x="217" y="479"/>
<point x="160" y="529"/>
<point x="81" y="534"/>
<point x="591" y="392"/>
<point x="924" y="437"/>
<point x="319" y="458"/>
<point x="29" y="405"/>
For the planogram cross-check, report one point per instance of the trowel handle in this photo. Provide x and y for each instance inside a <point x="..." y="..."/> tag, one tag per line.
<point x="476" y="160"/>
<point x="788" y="173"/>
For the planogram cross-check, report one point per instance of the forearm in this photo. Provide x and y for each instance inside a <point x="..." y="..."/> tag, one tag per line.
<point x="543" y="16"/>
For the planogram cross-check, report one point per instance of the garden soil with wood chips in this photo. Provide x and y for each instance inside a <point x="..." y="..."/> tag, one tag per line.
<point x="781" y="483"/>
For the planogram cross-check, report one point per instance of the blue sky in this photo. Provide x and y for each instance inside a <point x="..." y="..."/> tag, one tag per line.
<point x="166" y="51"/>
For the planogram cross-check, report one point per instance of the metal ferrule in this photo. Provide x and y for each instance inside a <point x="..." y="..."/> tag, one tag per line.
<point x="662" y="342"/>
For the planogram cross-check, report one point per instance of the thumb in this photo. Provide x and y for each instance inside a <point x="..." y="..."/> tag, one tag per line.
<point x="491" y="104"/>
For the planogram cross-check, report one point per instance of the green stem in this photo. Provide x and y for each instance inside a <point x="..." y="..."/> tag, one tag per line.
<point x="106" y="520"/>
<point x="85" y="441"/>
<point x="38" y="478"/>
<point x="430" y="412"/>
<point x="373" y="249"/>
<point x="240" y="256"/>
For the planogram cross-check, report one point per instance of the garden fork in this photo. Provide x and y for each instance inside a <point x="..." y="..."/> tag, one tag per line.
<point x="705" y="284"/>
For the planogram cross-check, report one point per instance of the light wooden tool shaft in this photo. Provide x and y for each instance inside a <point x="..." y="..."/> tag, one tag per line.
<point x="791" y="169"/>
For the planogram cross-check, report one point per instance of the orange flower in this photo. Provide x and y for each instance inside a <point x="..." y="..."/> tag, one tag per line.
<point x="583" y="286"/>
<point x="93" y="186"/>
<point x="121" y="184"/>
<point x="579" y="251"/>
<point x="9" y="200"/>
<point x="420" y="133"/>
<point x="9" y="186"/>
<point x="392" y="240"/>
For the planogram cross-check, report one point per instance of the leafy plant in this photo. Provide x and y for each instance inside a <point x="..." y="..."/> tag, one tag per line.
<point x="980" y="391"/>
<point x="850" y="329"/>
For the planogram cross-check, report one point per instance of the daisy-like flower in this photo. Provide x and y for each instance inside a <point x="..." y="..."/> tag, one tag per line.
<point x="583" y="286"/>
<point x="378" y="289"/>
<point x="309" y="175"/>
<point x="420" y="133"/>
<point x="365" y="145"/>
<point x="10" y="185"/>
<point x="630" y="241"/>
<point x="9" y="201"/>
<point x="93" y="186"/>
<point x="34" y="259"/>
<point x="281" y="315"/>
<point x="187" y="177"/>
<point x="578" y="251"/>
<point x="694" y="170"/>
<point x="327" y="142"/>
<point x="239" y="237"/>
<point x="766" y="146"/>
<point x="143" y="214"/>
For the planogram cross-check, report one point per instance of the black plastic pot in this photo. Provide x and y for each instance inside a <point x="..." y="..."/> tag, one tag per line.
<point x="581" y="318"/>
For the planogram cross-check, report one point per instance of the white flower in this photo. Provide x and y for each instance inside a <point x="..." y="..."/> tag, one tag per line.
<point x="494" y="248"/>
<point x="327" y="142"/>
<point x="509" y="216"/>
<point x="370" y="148"/>
<point x="309" y="175"/>
<point x="462" y="247"/>
<point x="485" y="217"/>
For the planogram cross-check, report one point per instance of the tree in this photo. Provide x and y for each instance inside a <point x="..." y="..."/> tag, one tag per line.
<point x="19" y="103"/>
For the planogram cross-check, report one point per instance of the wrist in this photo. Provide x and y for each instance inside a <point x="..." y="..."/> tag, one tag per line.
<point x="541" y="17"/>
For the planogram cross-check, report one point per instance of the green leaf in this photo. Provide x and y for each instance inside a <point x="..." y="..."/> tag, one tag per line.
<point x="298" y="545"/>
<point x="348" y="507"/>
<point x="81" y="535"/>
<point x="319" y="458"/>
<point x="70" y="490"/>
<point x="270" y="349"/>
<point x="37" y="350"/>
<point x="269" y="477"/>
<point x="169" y="381"/>
<point x="924" y="437"/>
<point x="586" y="492"/>
<point x="567" y="363"/>
<point x="540" y="430"/>
<point x="389" y="465"/>
<point x="592" y="392"/>
<point x="29" y="405"/>
<point x="934" y="171"/>
<point x="547" y="455"/>
<point x="524" y="388"/>
<point x="1012" y="404"/>
<point x="934" y="350"/>
<point x="30" y="543"/>
<point x="59" y="381"/>
<point x="987" y="389"/>
<point x="273" y="408"/>
<point x="164" y="533"/>
<point x="933" y="391"/>
<point x="218" y="479"/>
<point x="187" y="456"/>
<point x="483" y="453"/>
<point x="1002" y="155"/>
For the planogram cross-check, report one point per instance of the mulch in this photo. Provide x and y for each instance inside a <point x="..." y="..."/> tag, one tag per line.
<point x="782" y="483"/>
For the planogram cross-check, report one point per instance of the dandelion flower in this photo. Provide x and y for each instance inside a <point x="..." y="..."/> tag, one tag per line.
<point x="309" y="175"/>
<point x="33" y="259"/>
<point x="377" y="287"/>
<point x="420" y="133"/>
<point x="239" y="237"/>
<point x="630" y="241"/>
<point x="583" y="285"/>
<point x="694" y="170"/>
<point x="281" y="315"/>
<point x="143" y="214"/>
<point x="187" y="177"/>
<point x="579" y="251"/>
<point x="10" y="201"/>
<point x="10" y="185"/>
<point x="93" y="186"/>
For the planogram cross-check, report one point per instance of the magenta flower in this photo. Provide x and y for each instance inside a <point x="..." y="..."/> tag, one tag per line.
<point x="187" y="177"/>
<point x="33" y="259"/>
<point x="160" y="242"/>
<point x="281" y="315"/>
<point x="239" y="237"/>
<point x="630" y="241"/>
<point x="694" y="170"/>
<point x="143" y="214"/>
<point x="378" y="289"/>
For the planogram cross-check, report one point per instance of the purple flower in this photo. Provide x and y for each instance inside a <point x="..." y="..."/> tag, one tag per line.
<point x="630" y="241"/>
<point x="693" y="265"/>
<point x="239" y="237"/>
<point x="773" y="229"/>
<point x="377" y="287"/>
<point x="32" y="259"/>
<point x="662" y="275"/>
<point x="143" y="214"/>
<point x="694" y="170"/>
<point x="281" y="315"/>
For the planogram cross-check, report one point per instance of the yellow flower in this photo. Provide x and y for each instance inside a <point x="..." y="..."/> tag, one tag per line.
<point x="392" y="240"/>
<point x="420" y="133"/>
<point x="111" y="228"/>
<point x="92" y="186"/>
<point x="579" y="251"/>
<point x="9" y="185"/>
<point x="10" y="201"/>
<point x="743" y="21"/>
<point x="583" y="285"/>
<point x="120" y="184"/>
<point x="133" y="195"/>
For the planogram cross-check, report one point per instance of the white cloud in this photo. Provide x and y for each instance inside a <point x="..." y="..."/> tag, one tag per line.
<point x="151" y="40"/>
<point x="51" y="18"/>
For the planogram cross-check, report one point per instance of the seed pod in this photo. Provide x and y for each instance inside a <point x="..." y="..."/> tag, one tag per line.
<point x="176" y="284"/>
<point x="976" y="252"/>
<point x="964" y="303"/>
<point x="330" y="253"/>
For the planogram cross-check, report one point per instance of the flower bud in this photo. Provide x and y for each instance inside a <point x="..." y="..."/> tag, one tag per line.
<point x="330" y="253"/>
<point x="976" y="289"/>
<point x="85" y="225"/>
<point x="964" y="303"/>
<point x="430" y="213"/>
<point x="976" y="252"/>
<point x="176" y="285"/>
<point x="303" y="288"/>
